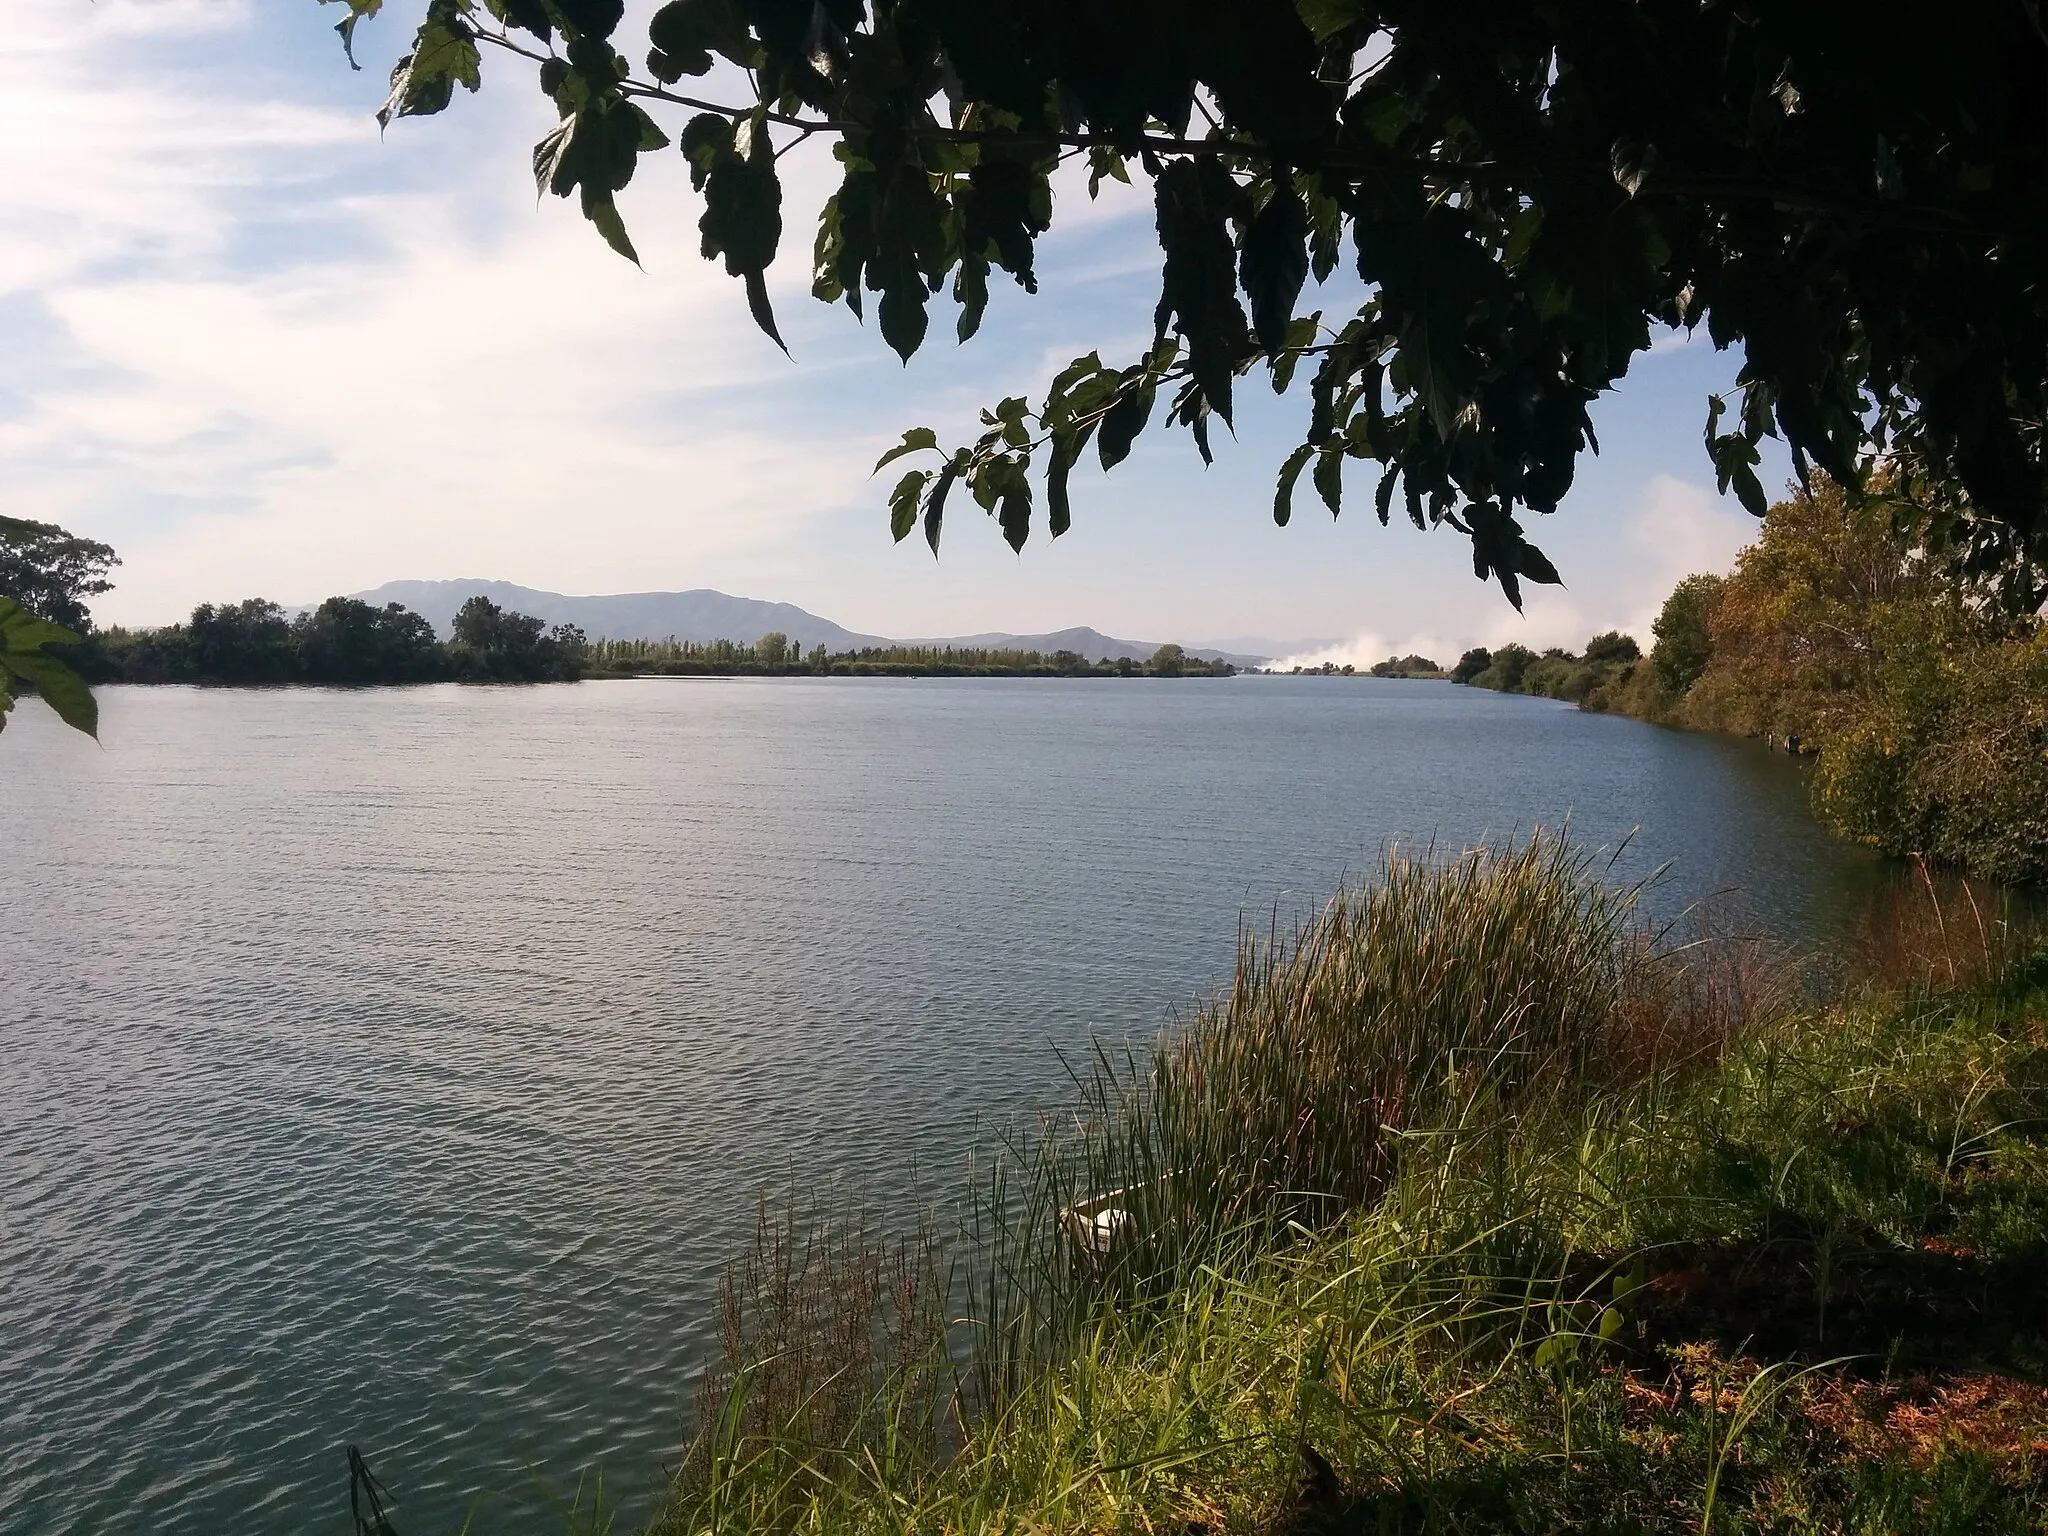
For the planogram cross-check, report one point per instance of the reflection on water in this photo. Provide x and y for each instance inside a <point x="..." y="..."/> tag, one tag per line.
<point x="397" y="1066"/>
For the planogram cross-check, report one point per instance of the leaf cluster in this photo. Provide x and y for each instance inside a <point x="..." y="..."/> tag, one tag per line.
<point x="1526" y="192"/>
<point x="25" y="642"/>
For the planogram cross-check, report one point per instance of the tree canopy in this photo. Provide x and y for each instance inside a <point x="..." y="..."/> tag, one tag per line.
<point x="52" y="572"/>
<point x="1854" y="195"/>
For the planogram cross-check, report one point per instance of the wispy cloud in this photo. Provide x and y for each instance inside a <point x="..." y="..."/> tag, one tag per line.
<point x="388" y="383"/>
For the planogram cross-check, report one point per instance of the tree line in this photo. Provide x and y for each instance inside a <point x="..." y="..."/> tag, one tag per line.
<point x="1586" y="679"/>
<point x="1919" y="697"/>
<point x="774" y="655"/>
<point x="48" y="577"/>
<point x="343" y="641"/>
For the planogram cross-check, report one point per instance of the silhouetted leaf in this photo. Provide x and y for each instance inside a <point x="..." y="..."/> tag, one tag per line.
<point x="916" y="440"/>
<point x="1273" y="263"/>
<point x="903" y="503"/>
<point x="1329" y="478"/>
<point x="1290" y="472"/>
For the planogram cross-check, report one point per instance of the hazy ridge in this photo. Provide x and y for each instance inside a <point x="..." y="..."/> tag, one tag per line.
<point x="703" y="615"/>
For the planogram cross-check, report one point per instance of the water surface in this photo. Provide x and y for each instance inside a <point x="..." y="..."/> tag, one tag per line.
<point x="397" y="1066"/>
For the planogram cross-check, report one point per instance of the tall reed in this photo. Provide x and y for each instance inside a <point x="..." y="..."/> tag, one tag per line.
<point x="1431" y="1010"/>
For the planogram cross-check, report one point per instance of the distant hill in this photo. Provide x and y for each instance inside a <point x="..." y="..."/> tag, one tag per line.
<point x="705" y="615"/>
<point x="701" y="615"/>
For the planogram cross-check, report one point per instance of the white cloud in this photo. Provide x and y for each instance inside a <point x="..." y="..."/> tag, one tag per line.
<point x="396" y="384"/>
<point x="1366" y="649"/>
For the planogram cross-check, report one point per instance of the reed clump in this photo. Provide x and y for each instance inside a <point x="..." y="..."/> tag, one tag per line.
<point x="1476" y="1203"/>
<point x="1933" y="931"/>
<point x="1448" y="994"/>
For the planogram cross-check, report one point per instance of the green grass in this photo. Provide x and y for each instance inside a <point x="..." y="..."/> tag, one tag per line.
<point x="1471" y="1207"/>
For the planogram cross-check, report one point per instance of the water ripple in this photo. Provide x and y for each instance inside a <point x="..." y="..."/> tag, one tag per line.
<point x="396" y="1067"/>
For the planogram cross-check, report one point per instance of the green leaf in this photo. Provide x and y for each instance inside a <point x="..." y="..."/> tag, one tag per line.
<point x="1012" y="413"/>
<point x="970" y="290"/>
<point x="759" y="308"/>
<point x="599" y="208"/>
<point x="916" y="440"/>
<point x="1329" y="477"/>
<point x="1290" y="472"/>
<point x="444" y="55"/>
<point x="23" y="637"/>
<point x="742" y="205"/>
<point x="1536" y="565"/>
<point x="1122" y="423"/>
<point x="1193" y="205"/>
<point x="935" y="505"/>
<point x="685" y="33"/>
<point x="1301" y="334"/>
<point x="903" y="503"/>
<point x="1059" y="515"/>
<point x="1383" y="496"/>
<point x="358" y="10"/>
<point x="902" y="316"/>
<point x="1273" y="263"/>
<point x="1735" y="459"/>
<point x="1015" y="515"/>
<point x="1326" y="18"/>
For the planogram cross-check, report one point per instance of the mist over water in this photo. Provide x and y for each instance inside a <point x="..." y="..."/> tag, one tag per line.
<point x="397" y="1066"/>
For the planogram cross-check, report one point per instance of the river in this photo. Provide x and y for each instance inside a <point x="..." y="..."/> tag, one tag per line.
<point x="397" y="1067"/>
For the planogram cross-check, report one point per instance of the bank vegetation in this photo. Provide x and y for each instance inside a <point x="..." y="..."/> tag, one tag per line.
<point x="1921" y="699"/>
<point x="1477" y="1204"/>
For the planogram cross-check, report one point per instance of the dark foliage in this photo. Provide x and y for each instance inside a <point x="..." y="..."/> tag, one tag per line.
<point x="1527" y="191"/>
<point x="52" y="573"/>
<point x="343" y="641"/>
<point x="495" y="645"/>
<point x="1410" y="665"/>
<point x="246" y="642"/>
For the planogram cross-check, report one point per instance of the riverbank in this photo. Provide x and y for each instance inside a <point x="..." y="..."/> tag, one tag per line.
<point x="1466" y="1208"/>
<point x="1918" y="690"/>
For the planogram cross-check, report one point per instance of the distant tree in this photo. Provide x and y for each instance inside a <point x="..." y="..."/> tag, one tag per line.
<point x="1471" y="664"/>
<point x="345" y="640"/>
<point x="52" y="573"/>
<point x="483" y="627"/>
<point x="1613" y="646"/>
<point x="245" y="642"/>
<point x="1072" y="663"/>
<point x="820" y="659"/>
<point x="1506" y="670"/>
<point x="496" y="645"/>
<point x="772" y="650"/>
<point x="1411" y="665"/>
<point x="1683" y="632"/>
<point x="563" y="652"/>
<point x="1167" y="661"/>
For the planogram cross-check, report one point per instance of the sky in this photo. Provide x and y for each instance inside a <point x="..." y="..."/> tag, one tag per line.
<point x="264" y="349"/>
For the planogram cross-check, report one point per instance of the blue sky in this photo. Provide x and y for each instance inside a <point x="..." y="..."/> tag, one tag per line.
<point x="264" y="350"/>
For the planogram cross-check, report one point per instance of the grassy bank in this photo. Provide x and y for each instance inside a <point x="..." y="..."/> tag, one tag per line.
<point x="1473" y="1206"/>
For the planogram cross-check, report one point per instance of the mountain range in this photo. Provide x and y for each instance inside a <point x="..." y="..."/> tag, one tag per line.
<point x="704" y="615"/>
